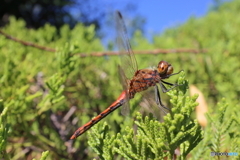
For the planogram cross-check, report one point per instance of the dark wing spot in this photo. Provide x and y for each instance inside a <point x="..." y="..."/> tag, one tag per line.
<point x="119" y="14"/>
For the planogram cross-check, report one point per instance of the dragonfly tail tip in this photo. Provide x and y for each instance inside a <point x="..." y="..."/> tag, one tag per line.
<point x="73" y="137"/>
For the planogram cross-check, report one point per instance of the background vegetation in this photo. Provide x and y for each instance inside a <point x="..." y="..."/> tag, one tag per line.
<point x="40" y="90"/>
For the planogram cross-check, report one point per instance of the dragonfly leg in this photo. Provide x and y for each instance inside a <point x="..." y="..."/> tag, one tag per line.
<point x="158" y="100"/>
<point x="164" y="89"/>
<point x="173" y="74"/>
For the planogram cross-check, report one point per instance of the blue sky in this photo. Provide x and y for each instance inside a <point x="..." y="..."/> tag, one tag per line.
<point x="161" y="14"/>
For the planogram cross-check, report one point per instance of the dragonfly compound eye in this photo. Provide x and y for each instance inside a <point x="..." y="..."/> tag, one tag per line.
<point x="162" y="67"/>
<point x="170" y="69"/>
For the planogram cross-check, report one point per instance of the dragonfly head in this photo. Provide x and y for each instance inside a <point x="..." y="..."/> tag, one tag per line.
<point x="164" y="68"/>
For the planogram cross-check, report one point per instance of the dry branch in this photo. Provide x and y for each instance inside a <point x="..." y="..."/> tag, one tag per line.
<point x="107" y="53"/>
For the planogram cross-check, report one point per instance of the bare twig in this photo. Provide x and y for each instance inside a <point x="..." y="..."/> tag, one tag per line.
<point x="27" y="43"/>
<point x="108" y="53"/>
<point x="155" y="51"/>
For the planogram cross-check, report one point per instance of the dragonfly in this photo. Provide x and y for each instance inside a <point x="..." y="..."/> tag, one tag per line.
<point x="142" y="79"/>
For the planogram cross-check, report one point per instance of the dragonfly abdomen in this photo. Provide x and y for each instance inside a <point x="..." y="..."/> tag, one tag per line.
<point x="119" y="102"/>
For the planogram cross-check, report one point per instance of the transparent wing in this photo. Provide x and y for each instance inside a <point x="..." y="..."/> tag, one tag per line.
<point x="124" y="81"/>
<point x="149" y="105"/>
<point x="128" y="60"/>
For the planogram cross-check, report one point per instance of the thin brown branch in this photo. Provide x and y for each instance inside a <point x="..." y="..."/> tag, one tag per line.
<point x="155" y="51"/>
<point x="27" y="43"/>
<point x="108" y="53"/>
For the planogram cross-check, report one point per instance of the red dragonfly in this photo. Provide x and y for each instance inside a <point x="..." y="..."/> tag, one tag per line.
<point x="142" y="80"/>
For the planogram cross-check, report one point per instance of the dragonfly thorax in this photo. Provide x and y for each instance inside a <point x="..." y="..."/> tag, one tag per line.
<point x="142" y="80"/>
<point x="145" y="78"/>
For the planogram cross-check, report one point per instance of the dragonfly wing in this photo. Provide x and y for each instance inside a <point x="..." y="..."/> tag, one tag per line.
<point x="149" y="105"/>
<point x="124" y="81"/>
<point x="128" y="60"/>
